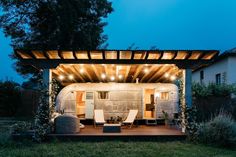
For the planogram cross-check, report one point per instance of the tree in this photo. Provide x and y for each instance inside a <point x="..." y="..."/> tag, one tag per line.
<point x="53" y="24"/>
<point x="10" y="98"/>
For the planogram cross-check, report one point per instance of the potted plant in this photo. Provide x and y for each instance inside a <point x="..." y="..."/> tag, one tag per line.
<point x="166" y="117"/>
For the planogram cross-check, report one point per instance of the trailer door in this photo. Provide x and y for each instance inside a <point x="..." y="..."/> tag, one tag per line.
<point x="89" y="105"/>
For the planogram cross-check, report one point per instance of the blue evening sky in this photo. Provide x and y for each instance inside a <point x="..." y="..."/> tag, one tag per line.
<point x="166" y="24"/>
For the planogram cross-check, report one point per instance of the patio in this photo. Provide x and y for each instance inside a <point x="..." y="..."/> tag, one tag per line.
<point x="118" y="81"/>
<point x="140" y="132"/>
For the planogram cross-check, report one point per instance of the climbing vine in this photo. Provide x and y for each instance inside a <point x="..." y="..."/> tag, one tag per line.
<point x="41" y="123"/>
<point x="182" y="104"/>
<point x="55" y="88"/>
<point x="46" y="108"/>
<point x="188" y="115"/>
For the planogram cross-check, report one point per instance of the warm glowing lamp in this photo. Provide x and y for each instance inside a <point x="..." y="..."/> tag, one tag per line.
<point x="167" y="75"/>
<point x="103" y="76"/>
<point x="61" y="77"/>
<point x="71" y="77"/>
<point x="172" y="78"/>
<point x="112" y="78"/>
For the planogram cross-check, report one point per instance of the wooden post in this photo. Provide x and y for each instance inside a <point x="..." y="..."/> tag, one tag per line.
<point x="187" y="93"/>
<point x="188" y="87"/>
<point x="47" y="78"/>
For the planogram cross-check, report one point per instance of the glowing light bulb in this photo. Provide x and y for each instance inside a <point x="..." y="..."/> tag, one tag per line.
<point x="146" y="70"/>
<point x="81" y="70"/>
<point x="120" y="76"/>
<point x="61" y="77"/>
<point x="167" y="75"/>
<point x="112" y="78"/>
<point x="71" y="77"/>
<point x="172" y="78"/>
<point x="103" y="76"/>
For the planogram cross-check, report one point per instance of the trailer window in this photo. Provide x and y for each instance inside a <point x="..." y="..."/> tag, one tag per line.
<point x="103" y="95"/>
<point x="164" y="95"/>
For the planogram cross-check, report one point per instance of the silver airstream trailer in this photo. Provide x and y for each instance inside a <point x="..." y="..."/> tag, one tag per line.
<point x="116" y="99"/>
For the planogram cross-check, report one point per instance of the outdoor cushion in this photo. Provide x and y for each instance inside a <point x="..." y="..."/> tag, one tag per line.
<point x="67" y="124"/>
<point x="98" y="117"/>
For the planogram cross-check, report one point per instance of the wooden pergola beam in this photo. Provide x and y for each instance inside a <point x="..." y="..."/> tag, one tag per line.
<point x="176" y="53"/>
<point x="74" y="55"/>
<point x="156" y="74"/>
<point x="60" y="55"/>
<point x="53" y="63"/>
<point x="186" y="63"/>
<point x="77" y="73"/>
<point x="163" y="73"/>
<point x="153" y="68"/>
<point x="137" y="72"/>
<point x="96" y="71"/>
<point x="127" y="73"/>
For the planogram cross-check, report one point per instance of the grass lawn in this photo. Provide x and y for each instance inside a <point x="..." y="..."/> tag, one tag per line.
<point x="115" y="148"/>
<point x="10" y="148"/>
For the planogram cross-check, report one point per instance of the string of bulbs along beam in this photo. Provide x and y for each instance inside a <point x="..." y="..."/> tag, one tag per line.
<point x="112" y="77"/>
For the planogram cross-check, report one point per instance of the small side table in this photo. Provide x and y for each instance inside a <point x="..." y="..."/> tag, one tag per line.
<point x="112" y="128"/>
<point x="151" y="122"/>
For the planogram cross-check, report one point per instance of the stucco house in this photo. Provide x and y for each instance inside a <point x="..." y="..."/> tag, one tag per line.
<point x="222" y="70"/>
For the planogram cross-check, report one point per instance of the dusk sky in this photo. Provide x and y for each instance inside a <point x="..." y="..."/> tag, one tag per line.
<point x="166" y="24"/>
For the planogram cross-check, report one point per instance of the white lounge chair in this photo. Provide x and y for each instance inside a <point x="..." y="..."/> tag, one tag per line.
<point x="131" y="117"/>
<point x="98" y="117"/>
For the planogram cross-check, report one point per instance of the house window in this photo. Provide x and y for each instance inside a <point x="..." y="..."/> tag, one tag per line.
<point x="201" y="76"/>
<point x="103" y="95"/>
<point x="224" y="77"/>
<point x="218" y="78"/>
<point x="164" y="96"/>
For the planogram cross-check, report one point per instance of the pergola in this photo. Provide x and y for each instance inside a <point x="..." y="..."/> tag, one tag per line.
<point x="146" y="66"/>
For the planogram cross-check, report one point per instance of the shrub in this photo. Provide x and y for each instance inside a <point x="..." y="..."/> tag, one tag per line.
<point x="210" y="99"/>
<point x="192" y="126"/>
<point x="10" y="98"/>
<point x="220" y="131"/>
<point x="4" y="138"/>
<point x="21" y="127"/>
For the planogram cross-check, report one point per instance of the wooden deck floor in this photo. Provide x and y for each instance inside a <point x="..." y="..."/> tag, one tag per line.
<point x="141" y="130"/>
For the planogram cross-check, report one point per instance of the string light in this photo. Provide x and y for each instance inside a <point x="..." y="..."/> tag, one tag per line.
<point x="146" y="70"/>
<point x="81" y="70"/>
<point x="61" y="77"/>
<point x="120" y="76"/>
<point x="167" y="75"/>
<point x="103" y="76"/>
<point x="112" y="78"/>
<point x="71" y="77"/>
<point x="172" y="78"/>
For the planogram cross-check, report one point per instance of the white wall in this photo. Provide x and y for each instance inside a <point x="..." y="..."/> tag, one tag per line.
<point x="223" y="67"/>
<point x="232" y="70"/>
